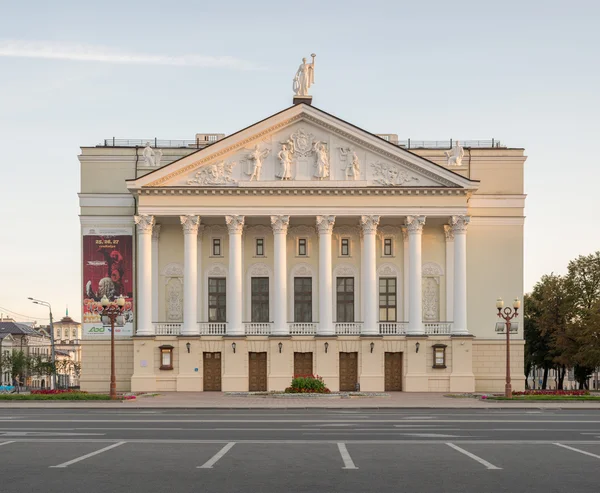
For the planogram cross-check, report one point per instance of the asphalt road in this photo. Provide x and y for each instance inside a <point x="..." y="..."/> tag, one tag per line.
<point x="299" y="450"/>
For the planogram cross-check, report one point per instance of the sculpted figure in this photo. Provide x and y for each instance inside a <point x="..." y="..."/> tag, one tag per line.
<point x="148" y="155"/>
<point x="455" y="155"/>
<point x="305" y="77"/>
<point x="257" y="156"/>
<point x="352" y="168"/>
<point x="285" y="160"/>
<point x="322" y="163"/>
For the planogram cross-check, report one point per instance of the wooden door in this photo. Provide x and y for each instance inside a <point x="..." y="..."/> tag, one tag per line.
<point x="212" y="372"/>
<point x="348" y="371"/>
<point x="257" y="372"/>
<point x="393" y="372"/>
<point x="303" y="364"/>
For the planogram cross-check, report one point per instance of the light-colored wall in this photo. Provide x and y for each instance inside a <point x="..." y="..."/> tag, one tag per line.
<point x="489" y="365"/>
<point x="95" y="367"/>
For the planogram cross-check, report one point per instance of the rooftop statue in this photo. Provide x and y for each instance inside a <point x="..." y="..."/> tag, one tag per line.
<point x="305" y="77"/>
<point x="455" y="155"/>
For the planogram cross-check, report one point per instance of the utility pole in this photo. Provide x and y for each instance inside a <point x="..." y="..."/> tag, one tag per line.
<point x="53" y="351"/>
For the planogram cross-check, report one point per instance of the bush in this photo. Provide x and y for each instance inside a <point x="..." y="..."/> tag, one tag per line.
<point x="62" y="396"/>
<point x="56" y="391"/>
<point x="307" y="384"/>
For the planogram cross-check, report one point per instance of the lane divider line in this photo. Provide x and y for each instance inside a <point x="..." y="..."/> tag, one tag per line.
<point x="348" y="462"/>
<point x="6" y="443"/>
<point x="577" y="450"/>
<point x="211" y="462"/>
<point x="87" y="456"/>
<point x="487" y="464"/>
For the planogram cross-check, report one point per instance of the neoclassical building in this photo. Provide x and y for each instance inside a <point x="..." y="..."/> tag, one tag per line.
<point x="301" y="244"/>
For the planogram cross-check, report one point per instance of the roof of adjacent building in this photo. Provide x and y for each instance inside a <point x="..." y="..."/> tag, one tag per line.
<point x="17" y="328"/>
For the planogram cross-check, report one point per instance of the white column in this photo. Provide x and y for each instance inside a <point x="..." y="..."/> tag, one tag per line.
<point x="235" y="224"/>
<point x="369" y="281"/>
<point x="414" y="226"/>
<point x="199" y="300"/>
<point x="405" y="272"/>
<point x="144" y="275"/>
<point x="449" y="272"/>
<point x="459" y="227"/>
<point x="325" y="228"/>
<point x="155" y="237"/>
<point x="280" y="227"/>
<point x="190" y="275"/>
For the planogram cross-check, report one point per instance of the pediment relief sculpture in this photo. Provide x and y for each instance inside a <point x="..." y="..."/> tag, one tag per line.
<point x="350" y="163"/>
<point x="214" y="174"/>
<point x="391" y="175"/>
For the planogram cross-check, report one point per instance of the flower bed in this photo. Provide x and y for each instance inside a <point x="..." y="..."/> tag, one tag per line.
<point x="56" y="392"/>
<point x="553" y="392"/>
<point x="307" y="384"/>
<point x="61" y="396"/>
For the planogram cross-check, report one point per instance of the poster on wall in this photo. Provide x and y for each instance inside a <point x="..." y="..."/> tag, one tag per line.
<point x="107" y="271"/>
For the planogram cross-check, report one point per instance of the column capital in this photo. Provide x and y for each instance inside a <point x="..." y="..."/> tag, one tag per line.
<point x="190" y="224"/>
<point x="156" y="232"/>
<point x="448" y="232"/>
<point x="404" y="233"/>
<point x="325" y="224"/>
<point x="235" y="224"/>
<point x="414" y="224"/>
<point x="280" y="224"/>
<point x="144" y="223"/>
<point x="459" y="224"/>
<point x="369" y="224"/>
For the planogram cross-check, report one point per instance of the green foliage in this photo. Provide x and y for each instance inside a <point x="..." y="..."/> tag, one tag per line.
<point x="307" y="384"/>
<point x="67" y="396"/>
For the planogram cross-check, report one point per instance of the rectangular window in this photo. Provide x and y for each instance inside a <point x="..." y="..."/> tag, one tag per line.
<point x="302" y="247"/>
<point x="387" y="247"/>
<point x="345" y="299"/>
<point x="302" y="299"/>
<point x="439" y="356"/>
<point x="166" y="357"/>
<point x="216" y="247"/>
<point x="345" y="247"/>
<point x="387" y="299"/>
<point x="260" y="299"/>
<point x="260" y="247"/>
<point x="217" y="296"/>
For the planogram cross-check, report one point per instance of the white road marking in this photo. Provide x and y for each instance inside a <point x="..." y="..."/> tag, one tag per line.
<point x="5" y="443"/>
<point x="44" y="434"/>
<point x="87" y="456"/>
<point x="577" y="450"/>
<point x="429" y="435"/>
<point x="348" y="463"/>
<point x="339" y="420"/>
<point x="473" y="456"/>
<point x="217" y="456"/>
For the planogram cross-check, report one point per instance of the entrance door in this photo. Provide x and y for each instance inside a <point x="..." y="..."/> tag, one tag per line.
<point x="212" y="372"/>
<point x="303" y="364"/>
<point x="257" y="370"/>
<point x="348" y="371"/>
<point x="393" y="372"/>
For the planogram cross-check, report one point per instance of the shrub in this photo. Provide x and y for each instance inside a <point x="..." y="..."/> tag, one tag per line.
<point x="307" y="384"/>
<point x="56" y="391"/>
<point x="553" y="392"/>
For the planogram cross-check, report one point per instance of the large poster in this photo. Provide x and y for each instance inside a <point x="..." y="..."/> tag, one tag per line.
<point x="107" y="271"/>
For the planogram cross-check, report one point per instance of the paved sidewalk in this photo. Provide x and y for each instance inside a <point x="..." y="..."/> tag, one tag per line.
<point x="206" y="400"/>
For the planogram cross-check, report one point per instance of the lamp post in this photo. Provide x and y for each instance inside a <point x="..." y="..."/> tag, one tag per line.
<point x="112" y="311"/>
<point x="53" y="351"/>
<point x="508" y="314"/>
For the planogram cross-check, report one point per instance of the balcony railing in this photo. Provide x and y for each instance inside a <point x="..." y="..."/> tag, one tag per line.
<point x="303" y="328"/>
<point x="167" y="329"/>
<point x="348" y="328"/>
<point x="392" y="328"/>
<point x="212" y="328"/>
<point x="437" y="328"/>
<point x="257" y="328"/>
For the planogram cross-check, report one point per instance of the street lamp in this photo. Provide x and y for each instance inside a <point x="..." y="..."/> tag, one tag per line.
<point x="508" y="314"/>
<point x="53" y="351"/>
<point x="112" y="311"/>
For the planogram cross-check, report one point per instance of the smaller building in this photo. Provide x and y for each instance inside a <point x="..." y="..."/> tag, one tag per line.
<point x="7" y="342"/>
<point x="67" y="341"/>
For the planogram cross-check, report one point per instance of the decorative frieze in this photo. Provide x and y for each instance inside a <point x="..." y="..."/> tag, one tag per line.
<point x="214" y="174"/>
<point x="388" y="174"/>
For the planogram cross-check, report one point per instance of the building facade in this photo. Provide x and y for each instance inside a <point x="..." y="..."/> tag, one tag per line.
<point x="67" y="341"/>
<point x="301" y="244"/>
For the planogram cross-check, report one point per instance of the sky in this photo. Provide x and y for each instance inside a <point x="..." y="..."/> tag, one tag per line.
<point x="74" y="73"/>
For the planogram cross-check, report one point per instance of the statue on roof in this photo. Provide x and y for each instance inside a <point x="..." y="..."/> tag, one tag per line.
<point x="151" y="156"/>
<point x="305" y="77"/>
<point x="455" y="155"/>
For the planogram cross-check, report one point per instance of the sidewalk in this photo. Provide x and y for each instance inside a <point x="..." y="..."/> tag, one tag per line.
<point x="217" y="400"/>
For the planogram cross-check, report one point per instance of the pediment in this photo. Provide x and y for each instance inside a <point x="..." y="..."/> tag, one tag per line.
<point x="302" y="147"/>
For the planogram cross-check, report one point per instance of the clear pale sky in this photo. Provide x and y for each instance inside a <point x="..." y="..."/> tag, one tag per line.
<point x="73" y="73"/>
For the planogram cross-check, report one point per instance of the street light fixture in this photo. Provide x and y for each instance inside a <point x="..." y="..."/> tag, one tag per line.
<point x="53" y="351"/>
<point x="112" y="311"/>
<point x="508" y="313"/>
